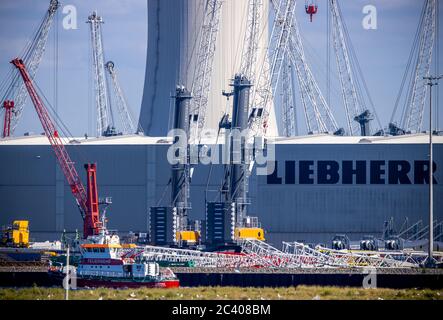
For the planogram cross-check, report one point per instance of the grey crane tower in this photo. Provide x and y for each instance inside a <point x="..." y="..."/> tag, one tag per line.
<point x="235" y="188"/>
<point x="227" y="220"/>
<point x="181" y="170"/>
<point x="169" y="225"/>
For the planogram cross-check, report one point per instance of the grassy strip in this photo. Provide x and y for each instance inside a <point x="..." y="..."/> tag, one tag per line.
<point x="221" y="293"/>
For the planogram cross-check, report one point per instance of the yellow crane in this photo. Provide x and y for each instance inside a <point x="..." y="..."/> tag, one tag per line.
<point x="16" y="235"/>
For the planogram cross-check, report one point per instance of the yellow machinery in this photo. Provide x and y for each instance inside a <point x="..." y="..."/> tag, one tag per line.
<point x="16" y="235"/>
<point x="249" y="234"/>
<point x="249" y="229"/>
<point x="188" y="237"/>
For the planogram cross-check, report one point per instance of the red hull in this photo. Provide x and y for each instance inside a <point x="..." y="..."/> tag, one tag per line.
<point x="93" y="283"/>
<point x="96" y="283"/>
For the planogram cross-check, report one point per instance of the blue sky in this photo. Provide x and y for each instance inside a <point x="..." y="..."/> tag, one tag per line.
<point x="382" y="53"/>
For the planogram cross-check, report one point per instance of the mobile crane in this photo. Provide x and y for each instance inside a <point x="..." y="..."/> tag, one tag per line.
<point x="87" y="199"/>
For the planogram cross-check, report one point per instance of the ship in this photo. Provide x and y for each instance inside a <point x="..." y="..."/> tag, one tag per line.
<point x="105" y="262"/>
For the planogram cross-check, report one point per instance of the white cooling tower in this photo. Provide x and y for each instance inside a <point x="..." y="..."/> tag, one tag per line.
<point x="173" y="40"/>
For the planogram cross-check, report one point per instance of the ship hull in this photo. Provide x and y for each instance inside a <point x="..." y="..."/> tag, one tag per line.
<point x="111" y="283"/>
<point x="115" y="283"/>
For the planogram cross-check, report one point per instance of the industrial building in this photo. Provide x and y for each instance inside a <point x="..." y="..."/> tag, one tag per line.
<point x="348" y="178"/>
<point x="299" y="201"/>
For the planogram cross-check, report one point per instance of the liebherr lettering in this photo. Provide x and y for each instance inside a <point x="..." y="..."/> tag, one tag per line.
<point x="352" y="172"/>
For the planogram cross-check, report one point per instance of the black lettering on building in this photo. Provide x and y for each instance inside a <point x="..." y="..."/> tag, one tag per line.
<point x="306" y="172"/>
<point x="349" y="172"/>
<point x="274" y="178"/>
<point x="378" y="172"/>
<point x="421" y="172"/>
<point x="290" y="172"/>
<point x="327" y="172"/>
<point x="398" y="172"/>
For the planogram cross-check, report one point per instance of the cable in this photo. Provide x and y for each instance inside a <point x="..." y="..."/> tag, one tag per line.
<point x="66" y="136"/>
<point x="408" y="66"/>
<point x="164" y="192"/>
<point x="216" y="144"/>
<point x="355" y="65"/>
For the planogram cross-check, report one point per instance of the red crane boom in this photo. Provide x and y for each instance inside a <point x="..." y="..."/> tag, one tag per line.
<point x="86" y="201"/>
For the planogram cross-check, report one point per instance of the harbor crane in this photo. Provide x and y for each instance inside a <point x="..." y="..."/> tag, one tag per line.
<point x="127" y="120"/>
<point x="227" y="220"/>
<point x="194" y="104"/>
<point x="105" y="118"/>
<point x="33" y="54"/>
<point x="105" y="121"/>
<point x="169" y="225"/>
<point x="188" y="118"/>
<point x="418" y="68"/>
<point x="87" y="199"/>
<point x="201" y="83"/>
<point x="357" y="115"/>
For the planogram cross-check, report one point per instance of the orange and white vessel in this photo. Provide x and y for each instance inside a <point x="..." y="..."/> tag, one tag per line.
<point x="105" y="262"/>
<point x="105" y="265"/>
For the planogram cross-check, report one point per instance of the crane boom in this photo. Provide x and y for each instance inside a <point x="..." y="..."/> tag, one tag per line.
<point x="126" y="118"/>
<point x="352" y="102"/>
<point x="288" y="101"/>
<point x="32" y="58"/>
<point x="201" y="83"/>
<point x="87" y="201"/>
<point x="318" y="115"/>
<point x="270" y="71"/>
<point x="413" y="119"/>
<point x="101" y="93"/>
<point x="252" y="36"/>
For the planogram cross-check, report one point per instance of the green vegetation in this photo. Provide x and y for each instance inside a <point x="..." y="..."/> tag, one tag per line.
<point x="220" y="293"/>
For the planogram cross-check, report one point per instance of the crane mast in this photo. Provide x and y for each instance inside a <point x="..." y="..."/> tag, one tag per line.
<point x="33" y="57"/>
<point x="201" y="83"/>
<point x="87" y="200"/>
<point x="128" y="123"/>
<point x="104" y="122"/>
<point x="180" y="179"/>
<point x="234" y="190"/>
<point x="413" y="120"/>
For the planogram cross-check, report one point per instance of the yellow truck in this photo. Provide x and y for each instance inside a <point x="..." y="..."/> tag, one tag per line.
<point x="16" y="235"/>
